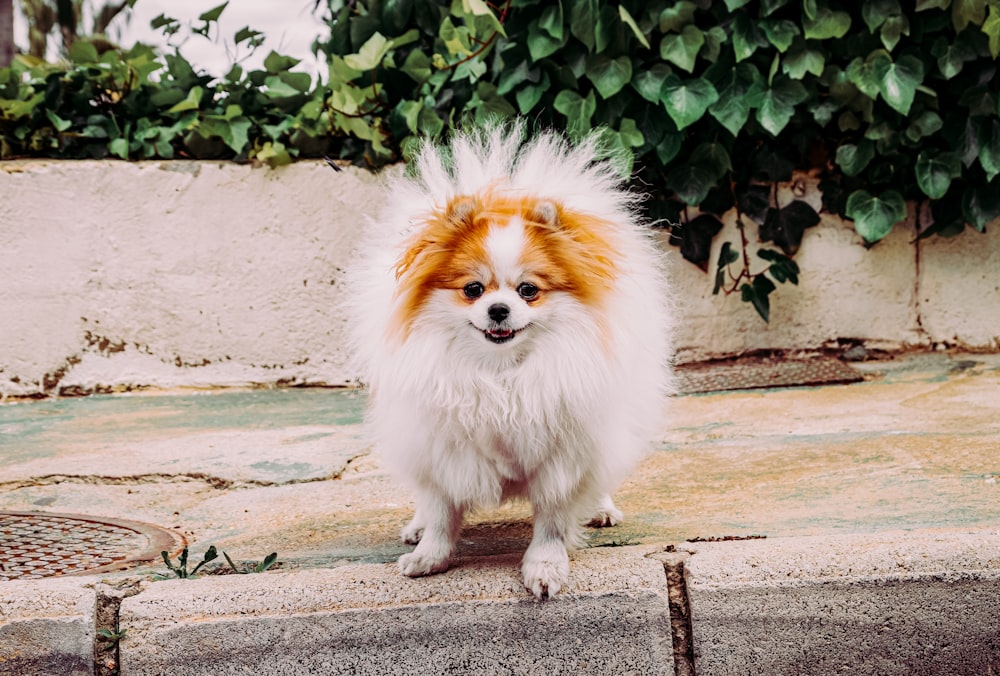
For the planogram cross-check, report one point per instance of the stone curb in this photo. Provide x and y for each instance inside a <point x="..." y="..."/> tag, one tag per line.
<point x="47" y="626"/>
<point x="924" y="602"/>
<point x="889" y="603"/>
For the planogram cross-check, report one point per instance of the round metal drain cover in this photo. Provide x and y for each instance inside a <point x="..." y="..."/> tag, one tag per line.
<point x="39" y="544"/>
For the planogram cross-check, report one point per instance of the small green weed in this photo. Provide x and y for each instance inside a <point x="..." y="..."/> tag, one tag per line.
<point x="112" y="637"/>
<point x="253" y="566"/>
<point x="180" y="568"/>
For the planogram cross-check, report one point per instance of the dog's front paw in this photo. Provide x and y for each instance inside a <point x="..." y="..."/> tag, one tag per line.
<point x="545" y="575"/>
<point x="416" y="564"/>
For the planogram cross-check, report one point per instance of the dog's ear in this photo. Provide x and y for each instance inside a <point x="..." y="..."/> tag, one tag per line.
<point x="545" y="213"/>
<point x="460" y="209"/>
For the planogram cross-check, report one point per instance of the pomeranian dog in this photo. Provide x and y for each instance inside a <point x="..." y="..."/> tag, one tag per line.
<point x="511" y="320"/>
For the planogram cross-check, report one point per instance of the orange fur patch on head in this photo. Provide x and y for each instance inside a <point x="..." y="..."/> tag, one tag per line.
<point x="564" y="251"/>
<point x="571" y="252"/>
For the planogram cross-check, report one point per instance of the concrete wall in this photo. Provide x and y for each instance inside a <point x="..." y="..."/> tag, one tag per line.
<point x="116" y="275"/>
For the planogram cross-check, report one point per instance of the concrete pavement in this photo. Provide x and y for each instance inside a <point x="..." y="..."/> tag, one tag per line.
<point x="878" y="503"/>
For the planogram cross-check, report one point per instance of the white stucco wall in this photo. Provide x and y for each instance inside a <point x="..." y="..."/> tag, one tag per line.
<point x="167" y="274"/>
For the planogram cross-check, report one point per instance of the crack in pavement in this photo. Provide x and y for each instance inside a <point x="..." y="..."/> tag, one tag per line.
<point x="152" y="478"/>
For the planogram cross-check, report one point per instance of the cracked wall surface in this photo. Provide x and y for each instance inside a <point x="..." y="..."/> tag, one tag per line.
<point x="116" y="276"/>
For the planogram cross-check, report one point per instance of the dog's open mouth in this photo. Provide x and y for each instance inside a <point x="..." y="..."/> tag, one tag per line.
<point x="499" y="336"/>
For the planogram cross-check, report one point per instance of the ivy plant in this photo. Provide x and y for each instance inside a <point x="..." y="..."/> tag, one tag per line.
<point x="717" y="101"/>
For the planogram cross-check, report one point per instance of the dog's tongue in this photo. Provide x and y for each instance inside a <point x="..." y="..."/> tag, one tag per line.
<point x="500" y="333"/>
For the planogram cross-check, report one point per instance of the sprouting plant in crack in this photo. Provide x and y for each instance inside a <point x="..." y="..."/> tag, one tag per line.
<point x="112" y="637"/>
<point x="253" y="566"/>
<point x="180" y="568"/>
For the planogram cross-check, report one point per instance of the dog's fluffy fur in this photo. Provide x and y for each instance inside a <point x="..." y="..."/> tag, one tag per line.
<point x="512" y="322"/>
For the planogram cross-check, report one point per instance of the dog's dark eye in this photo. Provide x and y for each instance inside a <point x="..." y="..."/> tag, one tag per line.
<point x="473" y="290"/>
<point x="527" y="291"/>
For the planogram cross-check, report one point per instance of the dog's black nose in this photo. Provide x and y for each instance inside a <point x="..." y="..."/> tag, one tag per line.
<point x="498" y="312"/>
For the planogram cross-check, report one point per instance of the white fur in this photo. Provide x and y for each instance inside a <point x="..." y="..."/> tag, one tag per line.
<point x="555" y="415"/>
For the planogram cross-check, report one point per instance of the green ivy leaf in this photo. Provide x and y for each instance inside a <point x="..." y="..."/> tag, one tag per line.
<point x="898" y="81"/>
<point x="119" y="147"/>
<point x="577" y="109"/>
<point x="682" y="48"/>
<point x="673" y="18"/>
<point x="630" y="22"/>
<point x="798" y="62"/>
<point x="418" y="66"/>
<point x="57" y="122"/>
<point x="876" y="12"/>
<point x="649" y="82"/>
<point x="583" y="21"/>
<point x="609" y="75"/>
<point x="964" y="12"/>
<point x="935" y="172"/>
<point x="739" y="93"/>
<point x="714" y="157"/>
<point x="981" y="206"/>
<point x="529" y="95"/>
<point x="686" y="101"/>
<point x="925" y="124"/>
<point x="727" y="256"/>
<point x="952" y="58"/>
<point x="862" y="75"/>
<point x="875" y="216"/>
<point x="715" y="38"/>
<point x="780" y="33"/>
<point x="541" y="44"/>
<point x="83" y="51"/>
<point x="893" y="30"/>
<point x="690" y="182"/>
<point x="275" y="63"/>
<point x="769" y="7"/>
<point x="214" y="13"/>
<point x="852" y="159"/>
<point x="630" y="135"/>
<point x="190" y="102"/>
<point x="778" y="104"/>
<point x="368" y="57"/>
<point x="668" y="147"/>
<point x="782" y="269"/>
<point x="757" y="295"/>
<point x="551" y="21"/>
<point x="989" y="147"/>
<point x="827" y="24"/>
<point x="747" y="37"/>
<point x="786" y="226"/>
<point x="696" y="238"/>
<point x="991" y="27"/>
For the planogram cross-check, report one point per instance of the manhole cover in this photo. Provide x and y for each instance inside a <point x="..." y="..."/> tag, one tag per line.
<point x="36" y="544"/>
<point x="746" y="374"/>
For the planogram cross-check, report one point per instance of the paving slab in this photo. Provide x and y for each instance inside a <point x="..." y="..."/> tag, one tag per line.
<point x="47" y="627"/>
<point x="367" y="619"/>
<point x="920" y="602"/>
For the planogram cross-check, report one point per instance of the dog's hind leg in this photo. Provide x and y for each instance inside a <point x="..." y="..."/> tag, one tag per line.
<point x="606" y="515"/>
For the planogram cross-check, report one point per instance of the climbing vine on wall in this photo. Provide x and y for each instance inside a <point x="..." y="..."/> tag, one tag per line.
<point x="717" y="102"/>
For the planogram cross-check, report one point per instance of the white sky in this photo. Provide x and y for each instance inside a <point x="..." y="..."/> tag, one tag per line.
<point x="290" y="27"/>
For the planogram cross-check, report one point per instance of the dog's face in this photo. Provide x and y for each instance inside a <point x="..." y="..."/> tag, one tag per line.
<point x="495" y="270"/>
